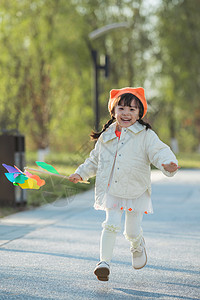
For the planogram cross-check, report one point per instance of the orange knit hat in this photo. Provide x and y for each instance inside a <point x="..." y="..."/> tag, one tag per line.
<point x="138" y="92"/>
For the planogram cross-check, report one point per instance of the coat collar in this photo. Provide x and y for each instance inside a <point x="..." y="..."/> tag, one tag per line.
<point x="109" y="134"/>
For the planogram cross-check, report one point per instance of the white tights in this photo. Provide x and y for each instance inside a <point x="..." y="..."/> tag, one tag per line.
<point x="112" y="225"/>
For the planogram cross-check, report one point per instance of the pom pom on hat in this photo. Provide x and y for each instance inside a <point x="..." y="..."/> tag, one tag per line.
<point x="138" y="92"/>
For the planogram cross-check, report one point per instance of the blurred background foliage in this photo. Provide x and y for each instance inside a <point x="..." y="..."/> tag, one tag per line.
<point x="46" y="69"/>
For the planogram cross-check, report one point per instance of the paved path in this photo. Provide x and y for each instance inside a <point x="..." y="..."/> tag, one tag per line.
<point x="50" y="252"/>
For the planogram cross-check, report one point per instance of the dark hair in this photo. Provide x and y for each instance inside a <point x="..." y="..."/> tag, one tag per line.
<point x="95" y="135"/>
<point x="126" y="100"/>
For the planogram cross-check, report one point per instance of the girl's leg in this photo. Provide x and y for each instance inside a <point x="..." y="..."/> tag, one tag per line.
<point x="111" y="226"/>
<point x="133" y="231"/>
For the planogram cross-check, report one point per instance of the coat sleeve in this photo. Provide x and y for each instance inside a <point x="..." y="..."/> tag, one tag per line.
<point x="89" y="167"/>
<point x="159" y="153"/>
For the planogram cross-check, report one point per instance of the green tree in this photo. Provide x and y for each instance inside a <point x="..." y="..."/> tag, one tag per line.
<point x="179" y="27"/>
<point x="41" y="67"/>
<point x="46" y="65"/>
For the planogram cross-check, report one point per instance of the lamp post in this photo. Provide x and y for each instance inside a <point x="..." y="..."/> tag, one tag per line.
<point x="92" y="36"/>
<point x="98" y="67"/>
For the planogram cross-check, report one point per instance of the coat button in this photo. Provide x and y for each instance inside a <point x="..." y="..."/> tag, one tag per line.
<point x="115" y="181"/>
<point x="119" y="154"/>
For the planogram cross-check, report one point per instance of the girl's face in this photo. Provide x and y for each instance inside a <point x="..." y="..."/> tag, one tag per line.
<point x="126" y="115"/>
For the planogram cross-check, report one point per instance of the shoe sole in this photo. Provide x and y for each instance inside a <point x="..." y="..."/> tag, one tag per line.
<point x="102" y="273"/>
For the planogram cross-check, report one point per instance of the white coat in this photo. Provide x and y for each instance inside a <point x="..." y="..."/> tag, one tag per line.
<point x="129" y="157"/>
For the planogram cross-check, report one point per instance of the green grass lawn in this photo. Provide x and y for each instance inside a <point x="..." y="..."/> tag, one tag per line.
<point x="189" y="160"/>
<point x="66" y="163"/>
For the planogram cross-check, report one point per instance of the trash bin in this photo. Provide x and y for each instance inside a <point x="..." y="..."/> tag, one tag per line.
<point x="12" y="152"/>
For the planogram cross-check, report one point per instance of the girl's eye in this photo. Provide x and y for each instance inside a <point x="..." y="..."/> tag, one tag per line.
<point x="132" y="109"/>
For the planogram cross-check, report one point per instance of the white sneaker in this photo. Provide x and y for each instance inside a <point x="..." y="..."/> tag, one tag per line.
<point x="102" y="271"/>
<point x="139" y="256"/>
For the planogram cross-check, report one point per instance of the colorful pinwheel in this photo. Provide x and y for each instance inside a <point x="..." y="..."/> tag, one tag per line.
<point x="25" y="180"/>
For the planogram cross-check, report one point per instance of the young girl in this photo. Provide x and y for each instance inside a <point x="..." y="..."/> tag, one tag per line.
<point x="121" y="162"/>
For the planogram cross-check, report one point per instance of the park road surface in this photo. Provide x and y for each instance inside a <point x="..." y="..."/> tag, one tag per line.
<point x="50" y="252"/>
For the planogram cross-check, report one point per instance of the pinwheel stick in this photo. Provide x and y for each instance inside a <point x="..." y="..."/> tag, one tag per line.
<point x="53" y="174"/>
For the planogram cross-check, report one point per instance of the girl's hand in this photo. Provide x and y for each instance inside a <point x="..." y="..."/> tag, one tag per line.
<point x="172" y="167"/>
<point x="75" y="178"/>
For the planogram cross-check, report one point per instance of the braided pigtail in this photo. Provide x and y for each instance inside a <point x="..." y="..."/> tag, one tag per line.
<point x="148" y="126"/>
<point x="141" y="111"/>
<point x="95" y="135"/>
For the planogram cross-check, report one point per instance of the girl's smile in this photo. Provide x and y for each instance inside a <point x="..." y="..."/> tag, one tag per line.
<point x="126" y="115"/>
